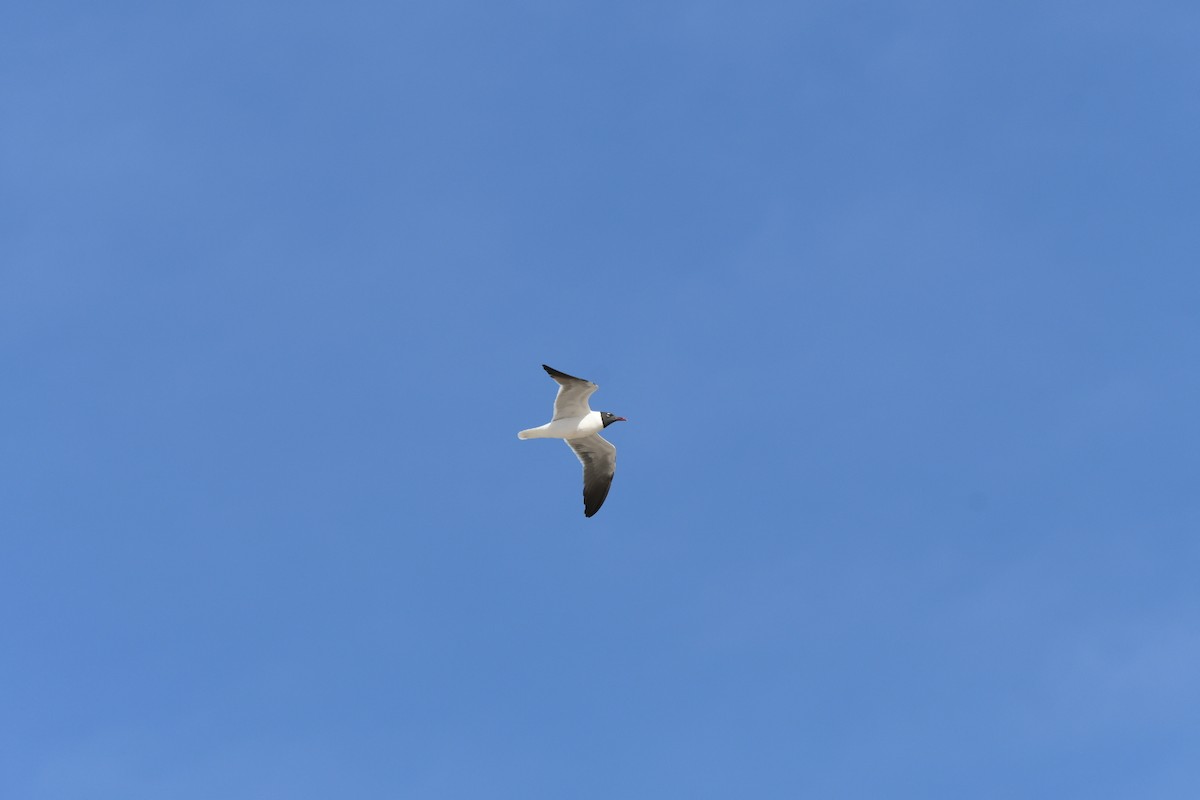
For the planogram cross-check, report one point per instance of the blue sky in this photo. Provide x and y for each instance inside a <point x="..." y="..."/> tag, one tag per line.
<point x="900" y="301"/>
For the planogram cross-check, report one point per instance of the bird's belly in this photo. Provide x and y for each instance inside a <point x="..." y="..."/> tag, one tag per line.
<point x="576" y="427"/>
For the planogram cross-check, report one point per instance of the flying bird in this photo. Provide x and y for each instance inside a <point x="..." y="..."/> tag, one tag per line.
<point x="576" y="423"/>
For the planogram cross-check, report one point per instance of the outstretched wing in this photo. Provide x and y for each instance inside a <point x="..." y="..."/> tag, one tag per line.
<point x="573" y="394"/>
<point x="599" y="459"/>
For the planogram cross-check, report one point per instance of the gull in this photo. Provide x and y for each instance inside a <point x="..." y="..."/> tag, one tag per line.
<point x="576" y="423"/>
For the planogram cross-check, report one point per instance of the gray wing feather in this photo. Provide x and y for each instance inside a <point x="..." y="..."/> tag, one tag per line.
<point x="599" y="459"/>
<point x="573" y="393"/>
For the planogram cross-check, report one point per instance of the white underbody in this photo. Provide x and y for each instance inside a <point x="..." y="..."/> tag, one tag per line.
<point x="566" y="428"/>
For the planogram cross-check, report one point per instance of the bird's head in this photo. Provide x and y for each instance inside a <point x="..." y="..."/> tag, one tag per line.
<point x="609" y="418"/>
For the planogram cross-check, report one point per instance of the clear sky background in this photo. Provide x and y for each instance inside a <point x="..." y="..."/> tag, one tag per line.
<point x="901" y="301"/>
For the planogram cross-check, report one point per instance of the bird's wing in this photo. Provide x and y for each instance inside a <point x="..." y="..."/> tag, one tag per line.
<point x="599" y="459"/>
<point x="573" y="394"/>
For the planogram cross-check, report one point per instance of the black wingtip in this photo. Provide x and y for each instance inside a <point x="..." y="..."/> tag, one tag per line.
<point x="554" y="373"/>
<point x="592" y="504"/>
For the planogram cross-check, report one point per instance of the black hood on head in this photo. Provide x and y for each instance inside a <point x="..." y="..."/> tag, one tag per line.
<point x="609" y="418"/>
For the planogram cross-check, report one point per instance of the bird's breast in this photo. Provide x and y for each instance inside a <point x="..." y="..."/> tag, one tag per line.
<point x="574" y="427"/>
